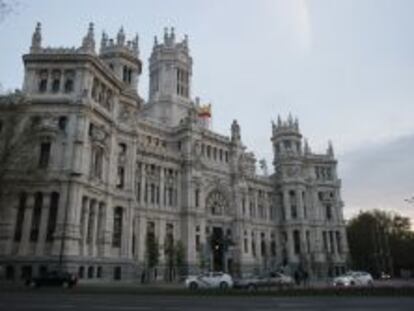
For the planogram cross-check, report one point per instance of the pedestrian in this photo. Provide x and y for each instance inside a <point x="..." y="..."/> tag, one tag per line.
<point x="297" y="277"/>
<point x="305" y="278"/>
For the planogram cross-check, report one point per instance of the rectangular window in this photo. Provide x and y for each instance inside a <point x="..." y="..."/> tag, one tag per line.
<point x="117" y="228"/>
<point x="138" y="191"/>
<point x="51" y="224"/>
<point x="20" y="217"/>
<point x="296" y="241"/>
<point x="262" y="245"/>
<point x="328" y="208"/>
<point x="325" y="241"/>
<point x="245" y="243"/>
<point x="121" y="177"/>
<point x="69" y="81"/>
<point x="338" y="242"/>
<point x="43" y="76"/>
<point x="44" y="155"/>
<point x="308" y="241"/>
<point x="56" y="84"/>
<point x="37" y="211"/>
<point x="197" y="197"/>
<point x="253" y="245"/>
<point x="273" y="248"/>
<point x="97" y="162"/>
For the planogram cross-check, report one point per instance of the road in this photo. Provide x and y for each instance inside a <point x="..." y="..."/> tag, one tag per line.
<point x="33" y="300"/>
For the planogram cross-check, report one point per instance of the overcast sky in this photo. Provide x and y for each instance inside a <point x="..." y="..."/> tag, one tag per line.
<point x="345" y="68"/>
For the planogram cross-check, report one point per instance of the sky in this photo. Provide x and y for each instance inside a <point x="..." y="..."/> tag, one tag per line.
<point x="343" y="67"/>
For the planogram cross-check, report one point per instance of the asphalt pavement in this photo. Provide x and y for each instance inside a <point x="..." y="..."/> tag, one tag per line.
<point x="50" y="300"/>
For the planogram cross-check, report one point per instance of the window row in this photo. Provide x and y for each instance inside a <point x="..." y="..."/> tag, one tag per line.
<point x="262" y="245"/>
<point x="214" y="153"/>
<point x="56" y="80"/>
<point x="152" y="194"/>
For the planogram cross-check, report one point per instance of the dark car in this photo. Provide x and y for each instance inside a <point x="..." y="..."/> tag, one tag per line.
<point x="54" y="278"/>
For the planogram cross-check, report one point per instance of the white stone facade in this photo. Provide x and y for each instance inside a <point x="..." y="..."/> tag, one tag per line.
<point x="101" y="169"/>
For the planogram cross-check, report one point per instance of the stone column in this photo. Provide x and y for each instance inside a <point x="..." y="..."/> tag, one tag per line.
<point x="130" y="231"/>
<point x="161" y="238"/>
<point x="143" y="180"/>
<point x="286" y="204"/>
<point x="124" y="230"/>
<point x="299" y="203"/>
<point x="142" y="223"/>
<point x="255" y="205"/>
<point x="100" y="230"/>
<point x="8" y="215"/>
<point x="179" y="198"/>
<point x="84" y="222"/>
<point x="162" y="186"/>
<point x="108" y="227"/>
<point x="27" y="226"/>
<point x="40" y="246"/>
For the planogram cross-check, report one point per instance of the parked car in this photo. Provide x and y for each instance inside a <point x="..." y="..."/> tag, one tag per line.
<point x="209" y="280"/>
<point x="272" y="279"/>
<point x="54" y="278"/>
<point x="354" y="278"/>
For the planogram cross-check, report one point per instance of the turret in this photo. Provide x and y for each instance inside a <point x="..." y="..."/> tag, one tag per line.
<point x="286" y="138"/>
<point x="170" y="78"/>
<point x="88" y="42"/>
<point x="122" y="56"/>
<point x="170" y="68"/>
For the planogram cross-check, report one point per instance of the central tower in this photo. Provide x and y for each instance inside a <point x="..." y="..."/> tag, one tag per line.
<point x="170" y="79"/>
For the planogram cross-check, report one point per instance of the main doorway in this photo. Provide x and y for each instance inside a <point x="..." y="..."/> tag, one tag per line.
<point x="217" y="248"/>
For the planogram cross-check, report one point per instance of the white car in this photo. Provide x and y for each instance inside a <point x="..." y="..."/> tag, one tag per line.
<point x="354" y="278"/>
<point x="209" y="280"/>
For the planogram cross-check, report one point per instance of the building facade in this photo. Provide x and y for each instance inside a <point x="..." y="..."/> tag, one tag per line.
<point x="100" y="182"/>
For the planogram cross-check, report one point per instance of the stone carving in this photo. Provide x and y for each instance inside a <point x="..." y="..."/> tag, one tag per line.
<point x="292" y="171"/>
<point x="99" y="135"/>
<point x="216" y="203"/>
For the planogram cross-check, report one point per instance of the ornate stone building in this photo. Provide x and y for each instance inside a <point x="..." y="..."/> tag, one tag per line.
<point x="91" y="173"/>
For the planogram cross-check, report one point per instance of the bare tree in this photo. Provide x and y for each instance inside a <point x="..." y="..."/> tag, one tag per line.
<point x="7" y="8"/>
<point x="17" y="140"/>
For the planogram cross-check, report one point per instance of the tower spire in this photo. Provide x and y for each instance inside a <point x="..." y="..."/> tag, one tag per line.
<point x="120" y="39"/>
<point x="135" y="46"/>
<point x="104" y="41"/>
<point x="88" y="42"/>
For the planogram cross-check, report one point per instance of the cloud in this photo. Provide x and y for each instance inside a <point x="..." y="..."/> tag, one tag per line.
<point x="380" y="176"/>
